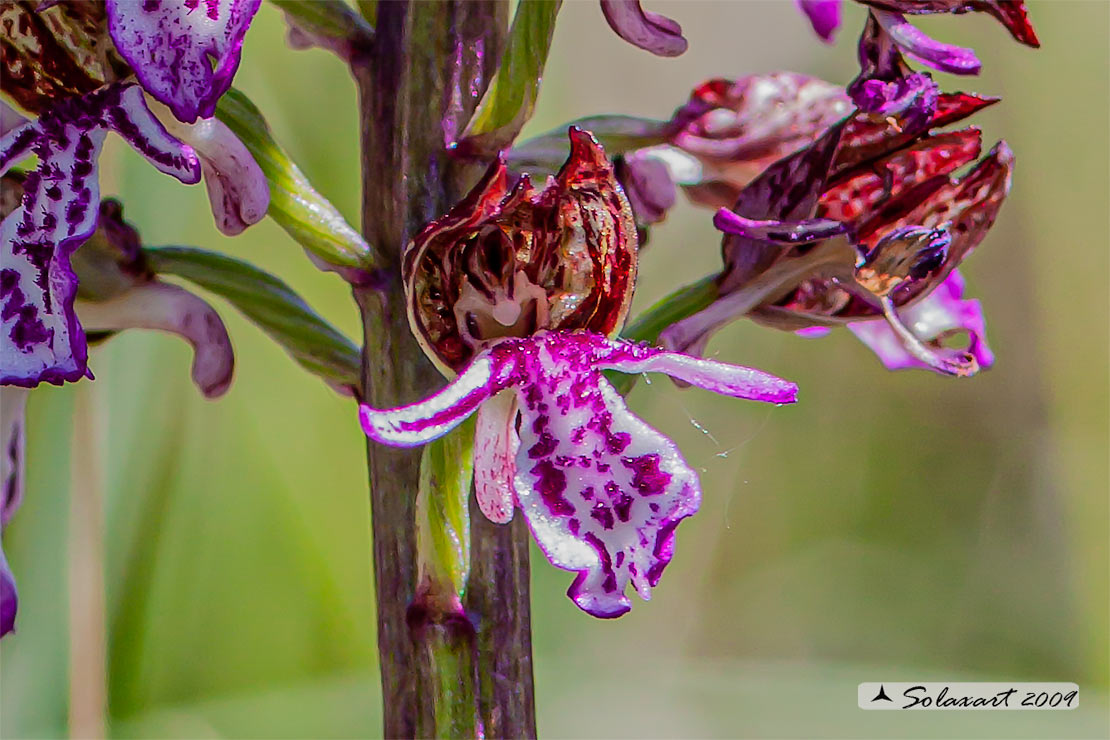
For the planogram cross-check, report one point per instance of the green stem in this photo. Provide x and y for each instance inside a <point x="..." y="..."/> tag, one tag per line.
<point x="415" y="86"/>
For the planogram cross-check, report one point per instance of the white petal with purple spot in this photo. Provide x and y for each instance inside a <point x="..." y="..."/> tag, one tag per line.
<point x="184" y="52"/>
<point x="601" y="490"/>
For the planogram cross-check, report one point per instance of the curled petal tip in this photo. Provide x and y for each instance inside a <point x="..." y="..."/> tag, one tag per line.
<point x="649" y="31"/>
<point x="823" y="15"/>
<point x="171" y="308"/>
<point x="940" y="56"/>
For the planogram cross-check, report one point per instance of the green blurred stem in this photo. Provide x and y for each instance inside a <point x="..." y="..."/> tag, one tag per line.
<point x="415" y="86"/>
<point x="88" y="657"/>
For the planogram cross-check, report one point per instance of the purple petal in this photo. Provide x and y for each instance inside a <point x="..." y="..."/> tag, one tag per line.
<point x="9" y="597"/>
<point x="824" y="16"/>
<point x="781" y="232"/>
<point x="649" y="185"/>
<point x="943" y="311"/>
<point x="171" y="308"/>
<point x="41" y="339"/>
<point x="237" y="187"/>
<point x="651" y="31"/>
<point x="184" y="52"/>
<point x="13" y="403"/>
<point x="495" y="447"/>
<point x="912" y="99"/>
<point x="601" y="490"/>
<point x="943" y="57"/>
<point x="12" y="441"/>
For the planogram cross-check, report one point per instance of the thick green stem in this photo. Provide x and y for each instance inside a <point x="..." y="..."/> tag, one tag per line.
<point x="418" y="83"/>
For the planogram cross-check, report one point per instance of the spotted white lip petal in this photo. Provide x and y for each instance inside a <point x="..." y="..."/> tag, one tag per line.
<point x="184" y="52"/>
<point x="601" y="490"/>
<point x="41" y="339"/>
<point x="166" y="307"/>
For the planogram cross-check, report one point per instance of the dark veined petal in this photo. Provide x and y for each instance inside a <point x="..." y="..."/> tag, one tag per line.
<point x="943" y="57"/>
<point x="41" y="339"/>
<point x="508" y="262"/>
<point x="184" y="52"/>
<point x="13" y="402"/>
<point x="51" y="53"/>
<point x="170" y="308"/>
<point x="942" y="313"/>
<point x="237" y="187"/>
<point x="824" y="16"/>
<point x="601" y="490"/>
<point x="650" y="31"/>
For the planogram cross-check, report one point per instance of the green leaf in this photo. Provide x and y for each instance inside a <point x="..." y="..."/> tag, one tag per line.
<point x="511" y="96"/>
<point x="546" y="153"/>
<point x="270" y="304"/>
<point x="443" y="515"/>
<point x="305" y="214"/>
<point x="333" y="19"/>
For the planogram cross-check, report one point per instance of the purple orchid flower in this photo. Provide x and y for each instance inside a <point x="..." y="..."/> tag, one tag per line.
<point x="117" y="292"/>
<point x="184" y="53"/>
<point x="650" y="31"/>
<point x="516" y="291"/>
<point x="602" y="492"/>
<point x="824" y="16"/>
<point x="867" y="224"/>
<point x="41" y="338"/>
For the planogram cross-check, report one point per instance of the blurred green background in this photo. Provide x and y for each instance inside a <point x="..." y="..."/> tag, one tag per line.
<point x="891" y="526"/>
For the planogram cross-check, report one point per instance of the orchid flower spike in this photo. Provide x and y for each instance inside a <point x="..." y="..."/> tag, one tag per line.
<point x="865" y="228"/>
<point x="516" y="291"/>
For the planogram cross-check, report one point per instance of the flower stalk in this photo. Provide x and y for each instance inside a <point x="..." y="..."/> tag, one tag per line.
<point x="419" y="81"/>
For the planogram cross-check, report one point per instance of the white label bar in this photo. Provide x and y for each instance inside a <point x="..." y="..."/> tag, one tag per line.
<point x="967" y="696"/>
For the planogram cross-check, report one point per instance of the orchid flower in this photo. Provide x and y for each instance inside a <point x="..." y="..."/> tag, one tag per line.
<point x="184" y="56"/>
<point x="117" y="291"/>
<point x="824" y="16"/>
<point x="867" y="224"/>
<point x="516" y="290"/>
